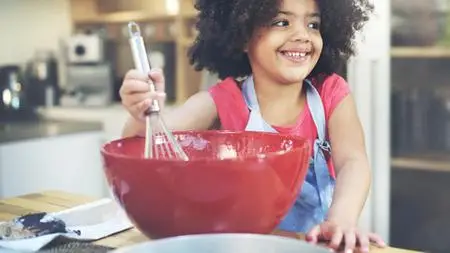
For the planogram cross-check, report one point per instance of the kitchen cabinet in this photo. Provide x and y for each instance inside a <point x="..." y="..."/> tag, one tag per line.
<point x="420" y="124"/>
<point x="162" y="21"/>
<point x="420" y="93"/>
<point x="69" y="162"/>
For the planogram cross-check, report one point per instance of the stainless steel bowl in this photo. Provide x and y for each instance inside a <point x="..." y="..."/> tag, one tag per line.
<point x="224" y="243"/>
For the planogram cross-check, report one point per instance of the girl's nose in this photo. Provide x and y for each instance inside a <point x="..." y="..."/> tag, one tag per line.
<point x="300" y="33"/>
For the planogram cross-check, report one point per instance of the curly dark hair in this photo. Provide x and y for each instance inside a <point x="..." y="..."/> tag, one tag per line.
<point x="225" y="27"/>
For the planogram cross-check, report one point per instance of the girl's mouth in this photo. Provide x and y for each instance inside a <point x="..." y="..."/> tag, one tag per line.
<point x="295" y="56"/>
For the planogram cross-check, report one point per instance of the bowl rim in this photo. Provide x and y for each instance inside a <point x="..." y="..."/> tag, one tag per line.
<point x="305" y="145"/>
<point x="216" y="237"/>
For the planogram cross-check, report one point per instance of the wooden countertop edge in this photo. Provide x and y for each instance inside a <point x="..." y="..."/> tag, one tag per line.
<point x="54" y="200"/>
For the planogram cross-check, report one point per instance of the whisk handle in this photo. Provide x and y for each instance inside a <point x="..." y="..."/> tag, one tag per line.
<point x="140" y="59"/>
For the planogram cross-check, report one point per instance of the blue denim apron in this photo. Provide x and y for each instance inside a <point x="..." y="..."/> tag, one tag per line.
<point x="314" y="199"/>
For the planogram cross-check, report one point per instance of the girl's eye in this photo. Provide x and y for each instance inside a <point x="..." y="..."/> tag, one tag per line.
<point x="314" y="25"/>
<point x="281" y="23"/>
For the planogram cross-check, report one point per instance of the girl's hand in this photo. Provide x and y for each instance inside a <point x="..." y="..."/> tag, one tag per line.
<point x="340" y="237"/>
<point x="135" y="91"/>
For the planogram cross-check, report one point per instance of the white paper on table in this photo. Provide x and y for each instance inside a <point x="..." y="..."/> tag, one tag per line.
<point x="94" y="220"/>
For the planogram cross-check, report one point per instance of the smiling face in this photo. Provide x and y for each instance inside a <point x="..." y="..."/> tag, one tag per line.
<point x="286" y="50"/>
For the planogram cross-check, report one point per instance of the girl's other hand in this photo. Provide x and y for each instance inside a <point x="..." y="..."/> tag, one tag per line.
<point x="343" y="238"/>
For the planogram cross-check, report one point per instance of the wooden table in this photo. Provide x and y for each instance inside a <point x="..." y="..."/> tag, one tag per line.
<point x="53" y="201"/>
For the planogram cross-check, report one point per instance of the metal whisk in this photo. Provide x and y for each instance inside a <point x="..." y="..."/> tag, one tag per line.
<point x="159" y="141"/>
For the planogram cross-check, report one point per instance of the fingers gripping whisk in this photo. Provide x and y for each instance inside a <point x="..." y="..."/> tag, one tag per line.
<point x="159" y="141"/>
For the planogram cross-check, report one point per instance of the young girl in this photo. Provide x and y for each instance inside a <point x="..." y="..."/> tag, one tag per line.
<point x="277" y="61"/>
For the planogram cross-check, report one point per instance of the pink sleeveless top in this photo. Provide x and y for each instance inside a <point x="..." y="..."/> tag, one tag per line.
<point x="234" y="113"/>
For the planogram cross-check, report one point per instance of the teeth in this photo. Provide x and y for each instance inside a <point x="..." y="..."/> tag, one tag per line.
<point x="295" y="54"/>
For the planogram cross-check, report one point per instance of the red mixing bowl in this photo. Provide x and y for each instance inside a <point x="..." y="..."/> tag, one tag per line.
<point x="234" y="182"/>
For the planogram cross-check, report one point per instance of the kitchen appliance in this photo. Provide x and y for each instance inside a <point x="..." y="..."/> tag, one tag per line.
<point x="88" y="85"/>
<point x="224" y="243"/>
<point x="233" y="182"/>
<point x="85" y="48"/>
<point x="89" y="74"/>
<point x="12" y="88"/>
<point x="42" y="78"/>
<point x="13" y="95"/>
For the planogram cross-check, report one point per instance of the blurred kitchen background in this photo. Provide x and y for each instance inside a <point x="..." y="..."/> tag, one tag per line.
<point x="62" y="63"/>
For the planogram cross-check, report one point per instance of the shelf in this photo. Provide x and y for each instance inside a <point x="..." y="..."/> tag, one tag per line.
<point x="189" y="14"/>
<point x="421" y="52"/>
<point x="186" y="42"/>
<point x="123" y="17"/>
<point x="421" y="163"/>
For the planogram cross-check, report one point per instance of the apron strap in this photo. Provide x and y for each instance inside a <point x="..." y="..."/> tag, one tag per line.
<point x="318" y="114"/>
<point x="324" y="183"/>
<point x="249" y="93"/>
<point x="312" y="98"/>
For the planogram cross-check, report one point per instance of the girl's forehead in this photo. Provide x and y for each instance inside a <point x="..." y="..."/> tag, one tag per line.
<point x="297" y="6"/>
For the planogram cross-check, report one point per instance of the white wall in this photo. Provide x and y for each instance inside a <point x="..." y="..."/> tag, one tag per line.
<point x="29" y="25"/>
<point x="369" y="78"/>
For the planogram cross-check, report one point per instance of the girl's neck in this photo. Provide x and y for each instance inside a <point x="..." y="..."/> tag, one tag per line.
<point x="271" y="94"/>
<point x="280" y="104"/>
